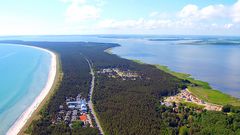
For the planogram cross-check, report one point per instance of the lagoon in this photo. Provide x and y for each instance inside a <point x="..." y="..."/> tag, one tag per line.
<point x="216" y="64"/>
<point x="214" y="59"/>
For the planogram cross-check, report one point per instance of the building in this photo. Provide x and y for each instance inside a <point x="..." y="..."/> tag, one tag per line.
<point x="83" y="108"/>
<point x="83" y="118"/>
<point x="79" y="104"/>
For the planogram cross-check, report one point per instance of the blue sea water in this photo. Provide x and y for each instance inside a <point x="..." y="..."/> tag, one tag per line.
<point x="23" y="74"/>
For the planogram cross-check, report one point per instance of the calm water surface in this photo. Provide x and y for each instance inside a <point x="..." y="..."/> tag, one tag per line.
<point x="212" y="59"/>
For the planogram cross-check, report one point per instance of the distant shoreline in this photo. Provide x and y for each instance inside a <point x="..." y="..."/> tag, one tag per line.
<point x="202" y="91"/>
<point x="24" y="118"/>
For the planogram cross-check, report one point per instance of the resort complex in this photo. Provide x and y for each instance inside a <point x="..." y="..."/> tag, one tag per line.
<point x="116" y="72"/>
<point x="186" y="96"/>
<point x="75" y="109"/>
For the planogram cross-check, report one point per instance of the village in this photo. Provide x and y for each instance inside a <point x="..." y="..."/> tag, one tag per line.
<point x="186" y="96"/>
<point x="115" y="72"/>
<point x="74" y="110"/>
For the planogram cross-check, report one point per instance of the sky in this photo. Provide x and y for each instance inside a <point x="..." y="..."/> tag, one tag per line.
<point x="156" y="17"/>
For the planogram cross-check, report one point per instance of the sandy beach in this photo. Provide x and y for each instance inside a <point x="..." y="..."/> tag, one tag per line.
<point x="22" y="120"/>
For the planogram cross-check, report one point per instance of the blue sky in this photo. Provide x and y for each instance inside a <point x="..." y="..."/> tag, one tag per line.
<point x="171" y="17"/>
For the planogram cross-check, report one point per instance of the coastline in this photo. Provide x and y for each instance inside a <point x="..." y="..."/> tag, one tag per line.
<point x="202" y="90"/>
<point x="19" y="124"/>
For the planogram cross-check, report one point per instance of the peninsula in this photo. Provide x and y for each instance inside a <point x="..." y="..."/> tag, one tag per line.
<point x="127" y="97"/>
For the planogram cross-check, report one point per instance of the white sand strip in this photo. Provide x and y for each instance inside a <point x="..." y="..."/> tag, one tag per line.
<point x="21" y="121"/>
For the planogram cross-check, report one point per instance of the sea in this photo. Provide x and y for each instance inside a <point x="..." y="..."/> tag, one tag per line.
<point x="213" y="59"/>
<point x="23" y="74"/>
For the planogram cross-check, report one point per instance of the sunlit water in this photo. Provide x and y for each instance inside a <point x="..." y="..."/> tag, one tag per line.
<point x="23" y="74"/>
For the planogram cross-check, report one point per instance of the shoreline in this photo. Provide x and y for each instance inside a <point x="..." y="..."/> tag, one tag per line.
<point x="203" y="90"/>
<point x="28" y="113"/>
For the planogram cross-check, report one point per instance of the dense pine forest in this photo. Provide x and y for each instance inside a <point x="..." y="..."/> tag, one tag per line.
<point x="126" y="107"/>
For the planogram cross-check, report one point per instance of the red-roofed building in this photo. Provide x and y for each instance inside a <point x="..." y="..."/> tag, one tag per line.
<point x="83" y="118"/>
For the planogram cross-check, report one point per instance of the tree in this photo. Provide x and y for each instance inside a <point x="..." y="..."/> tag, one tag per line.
<point x="226" y="108"/>
<point x="183" y="130"/>
<point x="77" y="124"/>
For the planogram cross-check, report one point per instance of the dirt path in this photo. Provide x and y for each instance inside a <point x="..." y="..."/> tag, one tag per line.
<point x="90" y="104"/>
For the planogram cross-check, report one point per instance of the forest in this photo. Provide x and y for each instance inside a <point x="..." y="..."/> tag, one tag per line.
<point x="126" y="107"/>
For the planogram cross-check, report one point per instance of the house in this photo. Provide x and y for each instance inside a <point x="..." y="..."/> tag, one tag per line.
<point x="67" y="119"/>
<point x="74" y="118"/>
<point x="75" y="112"/>
<point x="76" y="104"/>
<point x="83" y="108"/>
<point x="83" y="118"/>
<point x="61" y="107"/>
<point x="61" y="112"/>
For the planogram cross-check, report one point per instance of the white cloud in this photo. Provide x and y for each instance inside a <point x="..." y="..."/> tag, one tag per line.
<point x="189" y="11"/>
<point x="213" y="11"/>
<point x="235" y="13"/>
<point x="160" y="15"/>
<point x="191" y="19"/>
<point x="74" y="1"/>
<point x="134" y="24"/>
<point x="76" y="13"/>
<point x="228" y="26"/>
<point x="79" y="11"/>
<point x="210" y="12"/>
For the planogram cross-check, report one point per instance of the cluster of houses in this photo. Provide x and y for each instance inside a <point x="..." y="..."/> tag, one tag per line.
<point x="187" y="96"/>
<point x="74" y="109"/>
<point x="115" y="72"/>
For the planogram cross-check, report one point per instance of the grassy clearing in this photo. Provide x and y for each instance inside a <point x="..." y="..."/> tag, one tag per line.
<point x="193" y="105"/>
<point x="202" y="89"/>
<point x="184" y="76"/>
<point x="214" y="96"/>
<point x="138" y="61"/>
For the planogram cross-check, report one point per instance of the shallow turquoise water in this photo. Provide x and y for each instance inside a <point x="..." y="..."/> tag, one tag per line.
<point x="23" y="74"/>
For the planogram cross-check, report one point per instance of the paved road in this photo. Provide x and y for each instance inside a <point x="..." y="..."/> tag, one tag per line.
<point x="90" y="104"/>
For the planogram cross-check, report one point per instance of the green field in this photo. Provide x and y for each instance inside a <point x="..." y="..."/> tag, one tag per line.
<point x="214" y="96"/>
<point x="184" y="76"/>
<point x="193" y="105"/>
<point x="202" y="89"/>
